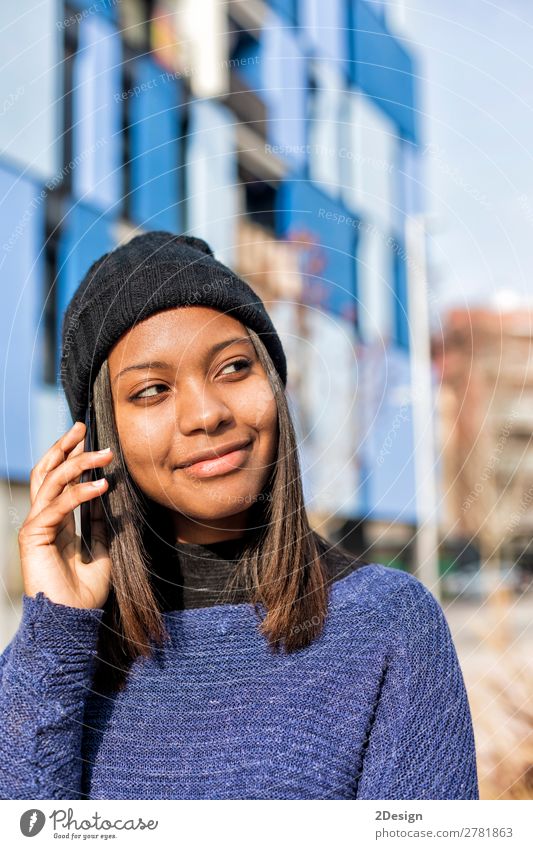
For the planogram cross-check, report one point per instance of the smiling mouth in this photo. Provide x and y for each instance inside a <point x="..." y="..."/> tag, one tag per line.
<point x="221" y="465"/>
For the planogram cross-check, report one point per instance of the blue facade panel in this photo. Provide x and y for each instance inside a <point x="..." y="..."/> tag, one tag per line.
<point x="97" y="118"/>
<point x="401" y="304"/>
<point x="86" y="235"/>
<point x="387" y="444"/>
<point x="288" y="9"/>
<point x="105" y="8"/>
<point x="154" y="128"/>
<point x="21" y="331"/>
<point x="381" y="67"/>
<point x="284" y="83"/>
<point x="328" y="237"/>
<point x="324" y="30"/>
<point x="212" y="177"/>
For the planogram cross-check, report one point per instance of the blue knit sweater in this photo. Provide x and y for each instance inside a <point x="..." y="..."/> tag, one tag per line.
<point x="374" y="708"/>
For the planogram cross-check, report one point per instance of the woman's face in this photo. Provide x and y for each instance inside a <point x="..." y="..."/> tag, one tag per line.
<point x="185" y="382"/>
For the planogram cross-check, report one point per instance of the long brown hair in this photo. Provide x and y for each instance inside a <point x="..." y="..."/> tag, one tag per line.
<point x="281" y="563"/>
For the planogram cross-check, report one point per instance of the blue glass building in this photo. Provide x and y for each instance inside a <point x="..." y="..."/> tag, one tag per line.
<point x="314" y="135"/>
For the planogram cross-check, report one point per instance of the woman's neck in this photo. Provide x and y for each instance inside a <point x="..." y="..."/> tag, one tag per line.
<point x="204" y="538"/>
<point x="195" y="533"/>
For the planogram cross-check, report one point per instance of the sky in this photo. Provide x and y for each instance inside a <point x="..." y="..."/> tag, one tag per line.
<point x="475" y="63"/>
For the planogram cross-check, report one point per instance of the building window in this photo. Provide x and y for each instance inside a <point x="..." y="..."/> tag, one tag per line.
<point x="53" y="215"/>
<point x="260" y="198"/>
<point x="70" y="46"/>
<point x="127" y="84"/>
<point x="288" y="9"/>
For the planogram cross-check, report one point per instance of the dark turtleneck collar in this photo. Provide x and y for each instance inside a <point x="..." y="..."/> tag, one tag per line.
<point x="196" y="575"/>
<point x="226" y="549"/>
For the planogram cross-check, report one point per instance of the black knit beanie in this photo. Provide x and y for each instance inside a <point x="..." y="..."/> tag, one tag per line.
<point x="155" y="271"/>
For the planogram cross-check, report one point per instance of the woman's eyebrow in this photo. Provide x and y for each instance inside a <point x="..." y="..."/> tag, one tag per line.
<point x="214" y="349"/>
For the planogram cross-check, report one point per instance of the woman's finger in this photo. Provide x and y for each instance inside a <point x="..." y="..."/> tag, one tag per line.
<point x="52" y="516"/>
<point x="67" y="475"/>
<point x="55" y="455"/>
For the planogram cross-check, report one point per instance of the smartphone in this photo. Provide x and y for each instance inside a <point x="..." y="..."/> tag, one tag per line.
<point x="87" y="475"/>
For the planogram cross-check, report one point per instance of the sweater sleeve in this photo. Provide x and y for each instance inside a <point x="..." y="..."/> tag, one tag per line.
<point x="46" y="674"/>
<point x="421" y="744"/>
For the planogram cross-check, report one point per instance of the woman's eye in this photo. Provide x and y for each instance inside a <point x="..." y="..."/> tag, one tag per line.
<point x="149" y="389"/>
<point x="240" y="364"/>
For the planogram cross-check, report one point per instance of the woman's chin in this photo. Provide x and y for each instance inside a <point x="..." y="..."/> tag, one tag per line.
<point x="219" y="503"/>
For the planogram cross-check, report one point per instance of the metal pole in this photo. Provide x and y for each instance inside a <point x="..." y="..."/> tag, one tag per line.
<point x="426" y="539"/>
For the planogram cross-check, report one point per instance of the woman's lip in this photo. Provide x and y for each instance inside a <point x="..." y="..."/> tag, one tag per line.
<point x="219" y="465"/>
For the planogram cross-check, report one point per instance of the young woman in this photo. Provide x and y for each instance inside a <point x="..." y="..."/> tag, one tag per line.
<point x="214" y="646"/>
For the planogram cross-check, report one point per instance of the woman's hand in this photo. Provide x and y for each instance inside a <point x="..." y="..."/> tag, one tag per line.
<point x="50" y="550"/>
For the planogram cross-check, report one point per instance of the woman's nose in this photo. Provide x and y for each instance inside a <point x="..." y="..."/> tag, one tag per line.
<point x="200" y="407"/>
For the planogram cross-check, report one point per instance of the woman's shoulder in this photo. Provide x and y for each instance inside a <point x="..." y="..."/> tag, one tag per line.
<point x="394" y="607"/>
<point x="394" y="591"/>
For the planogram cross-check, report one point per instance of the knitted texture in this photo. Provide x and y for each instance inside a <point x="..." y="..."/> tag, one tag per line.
<point x="155" y="271"/>
<point x="375" y="708"/>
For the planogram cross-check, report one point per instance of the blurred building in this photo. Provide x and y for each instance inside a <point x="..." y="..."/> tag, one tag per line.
<point x="286" y="133"/>
<point x="485" y="359"/>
